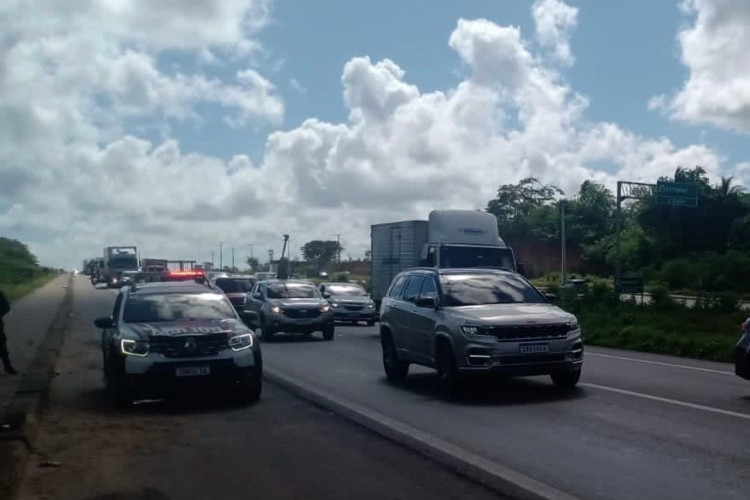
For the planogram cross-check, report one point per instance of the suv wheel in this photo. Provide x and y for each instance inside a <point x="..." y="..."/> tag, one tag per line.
<point x="395" y="369"/>
<point x="328" y="332"/>
<point x="121" y="396"/>
<point x="566" y="380"/>
<point x="250" y="389"/>
<point x="445" y="363"/>
<point x="265" y="331"/>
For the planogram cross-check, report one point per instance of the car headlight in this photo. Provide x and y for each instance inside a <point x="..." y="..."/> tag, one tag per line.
<point x="241" y="342"/>
<point x="325" y="309"/>
<point x="471" y="330"/>
<point x="371" y="305"/>
<point x="134" y="347"/>
<point x="335" y="304"/>
<point x="276" y="310"/>
<point x="573" y="325"/>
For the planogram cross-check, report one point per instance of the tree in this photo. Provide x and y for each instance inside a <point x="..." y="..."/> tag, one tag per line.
<point x="321" y="252"/>
<point x="253" y="263"/>
<point x="514" y="202"/>
<point x="590" y="216"/>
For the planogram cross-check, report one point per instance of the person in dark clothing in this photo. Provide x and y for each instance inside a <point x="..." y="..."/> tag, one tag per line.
<point x="4" y="355"/>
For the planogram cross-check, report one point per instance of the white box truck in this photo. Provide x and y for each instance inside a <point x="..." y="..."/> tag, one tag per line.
<point x="448" y="239"/>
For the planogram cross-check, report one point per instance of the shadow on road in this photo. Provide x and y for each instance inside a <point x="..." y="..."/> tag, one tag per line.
<point x="288" y="338"/>
<point x="499" y="391"/>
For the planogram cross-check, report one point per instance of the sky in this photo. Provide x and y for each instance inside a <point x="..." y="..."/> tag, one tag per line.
<point x="179" y="126"/>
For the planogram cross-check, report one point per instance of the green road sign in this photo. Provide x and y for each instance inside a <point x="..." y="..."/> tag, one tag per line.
<point x="676" y="194"/>
<point x="632" y="285"/>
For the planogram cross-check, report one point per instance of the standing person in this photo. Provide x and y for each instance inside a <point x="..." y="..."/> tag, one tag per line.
<point x="4" y="355"/>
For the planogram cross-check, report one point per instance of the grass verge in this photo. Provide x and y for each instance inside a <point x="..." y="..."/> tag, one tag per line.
<point x="664" y="327"/>
<point x="15" y="291"/>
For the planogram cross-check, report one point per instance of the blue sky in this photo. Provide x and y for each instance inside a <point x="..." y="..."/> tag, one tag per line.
<point x="626" y="52"/>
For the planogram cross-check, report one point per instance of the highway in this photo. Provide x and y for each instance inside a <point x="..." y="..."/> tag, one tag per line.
<point x="638" y="426"/>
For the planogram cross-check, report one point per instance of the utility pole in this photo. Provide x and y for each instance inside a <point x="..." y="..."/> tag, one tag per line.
<point x="232" y="258"/>
<point x="221" y="255"/>
<point x="212" y="259"/>
<point x="562" y="238"/>
<point x="338" y="251"/>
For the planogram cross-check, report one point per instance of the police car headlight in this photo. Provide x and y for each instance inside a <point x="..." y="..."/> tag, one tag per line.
<point x="134" y="347"/>
<point x="241" y="342"/>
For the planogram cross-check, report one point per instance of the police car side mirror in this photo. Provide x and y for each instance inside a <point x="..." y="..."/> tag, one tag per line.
<point x="104" y="322"/>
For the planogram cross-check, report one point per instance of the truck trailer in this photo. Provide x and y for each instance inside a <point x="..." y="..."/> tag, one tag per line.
<point x="448" y="239"/>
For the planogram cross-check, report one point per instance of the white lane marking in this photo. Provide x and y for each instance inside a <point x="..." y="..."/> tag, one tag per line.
<point x="675" y="402"/>
<point x="660" y="363"/>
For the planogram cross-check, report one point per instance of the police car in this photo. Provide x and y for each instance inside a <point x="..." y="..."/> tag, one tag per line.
<point x="172" y="330"/>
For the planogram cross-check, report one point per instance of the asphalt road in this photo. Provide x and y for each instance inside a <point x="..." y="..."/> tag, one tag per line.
<point x="638" y="426"/>
<point x="279" y="448"/>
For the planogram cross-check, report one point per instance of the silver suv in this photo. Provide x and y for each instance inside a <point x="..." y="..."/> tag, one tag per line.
<point x="477" y="321"/>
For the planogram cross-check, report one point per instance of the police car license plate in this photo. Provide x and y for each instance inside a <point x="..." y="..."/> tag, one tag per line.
<point x="192" y="371"/>
<point x="534" y="348"/>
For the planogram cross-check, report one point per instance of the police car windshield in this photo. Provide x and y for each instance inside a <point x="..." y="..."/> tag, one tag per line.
<point x="152" y="308"/>
<point x="291" y="291"/>
<point x="482" y="289"/>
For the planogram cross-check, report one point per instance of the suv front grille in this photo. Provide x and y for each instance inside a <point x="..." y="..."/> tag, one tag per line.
<point x="188" y="346"/>
<point x="518" y="332"/>
<point x="354" y="307"/>
<point x="301" y="313"/>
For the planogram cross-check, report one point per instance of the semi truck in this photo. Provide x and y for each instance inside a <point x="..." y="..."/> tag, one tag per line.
<point x="448" y="239"/>
<point x="154" y="265"/>
<point x="119" y="261"/>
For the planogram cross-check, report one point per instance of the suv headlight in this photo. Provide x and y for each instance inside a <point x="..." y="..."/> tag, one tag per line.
<point x="241" y="342"/>
<point x="573" y="325"/>
<point x="134" y="347"/>
<point x="325" y="309"/>
<point x="276" y="310"/>
<point x="471" y="330"/>
<point x="335" y="304"/>
<point x="371" y="305"/>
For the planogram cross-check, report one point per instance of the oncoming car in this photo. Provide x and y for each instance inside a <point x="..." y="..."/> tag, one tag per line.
<point x="350" y="302"/>
<point x="164" y="334"/>
<point x="465" y="322"/>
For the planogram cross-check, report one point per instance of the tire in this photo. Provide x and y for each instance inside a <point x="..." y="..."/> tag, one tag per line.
<point x="121" y="397"/>
<point x="328" y="332"/>
<point x="250" y="390"/>
<point x="566" y="380"/>
<point x="265" y="331"/>
<point x="446" y="369"/>
<point x="395" y="369"/>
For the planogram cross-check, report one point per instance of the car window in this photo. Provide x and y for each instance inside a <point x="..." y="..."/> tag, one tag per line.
<point x="398" y="287"/>
<point x="411" y="292"/>
<point x="292" y="291"/>
<point x="234" y="285"/>
<point x="152" y="308"/>
<point x="346" y="290"/>
<point x="482" y="289"/>
<point x="116" y="309"/>
<point x="429" y="288"/>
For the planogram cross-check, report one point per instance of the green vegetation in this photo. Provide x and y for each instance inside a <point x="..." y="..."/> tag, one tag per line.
<point x="707" y="331"/>
<point x="20" y="272"/>
<point x="700" y="249"/>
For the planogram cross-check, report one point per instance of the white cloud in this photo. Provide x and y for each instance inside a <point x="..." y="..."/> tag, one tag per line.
<point x="74" y="181"/>
<point x="555" y="22"/>
<point x="714" y="49"/>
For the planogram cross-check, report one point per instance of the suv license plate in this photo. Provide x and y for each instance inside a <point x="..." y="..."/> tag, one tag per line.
<point x="192" y="371"/>
<point x="534" y="348"/>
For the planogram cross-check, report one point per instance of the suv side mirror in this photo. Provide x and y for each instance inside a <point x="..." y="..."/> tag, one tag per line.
<point x="427" y="302"/>
<point x="326" y="295"/>
<point x="104" y="322"/>
<point x="249" y="317"/>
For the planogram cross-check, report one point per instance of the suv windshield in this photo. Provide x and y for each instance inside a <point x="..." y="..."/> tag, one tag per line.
<point x="291" y="291"/>
<point x="346" y="290"/>
<point x="454" y="256"/>
<point x="234" y="285"/>
<point x="480" y="289"/>
<point x="176" y="306"/>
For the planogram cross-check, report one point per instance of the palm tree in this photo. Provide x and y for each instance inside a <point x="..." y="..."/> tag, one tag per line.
<point x="726" y="189"/>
